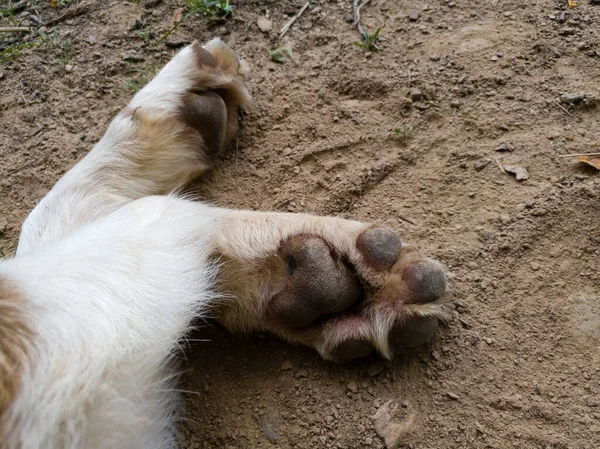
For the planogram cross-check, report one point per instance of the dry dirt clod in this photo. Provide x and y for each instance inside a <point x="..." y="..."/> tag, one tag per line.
<point x="352" y="386"/>
<point x="452" y="396"/>
<point x="92" y="40"/>
<point x="506" y="146"/>
<point x="569" y="98"/>
<point x="519" y="171"/>
<point x="264" y="24"/>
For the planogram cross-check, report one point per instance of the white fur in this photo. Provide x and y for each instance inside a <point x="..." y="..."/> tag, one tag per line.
<point x="112" y="276"/>
<point x="109" y="304"/>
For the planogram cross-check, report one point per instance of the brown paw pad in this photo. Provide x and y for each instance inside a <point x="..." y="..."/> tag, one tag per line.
<point x="425" y="281"/>
<point x="380" y="247"/>
<point x="414" y="332"/>
<point x="317" y="283"/>
<point x="206" y="112"/>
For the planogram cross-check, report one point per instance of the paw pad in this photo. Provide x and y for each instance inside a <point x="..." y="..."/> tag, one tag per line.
<point x="380" y="247"/>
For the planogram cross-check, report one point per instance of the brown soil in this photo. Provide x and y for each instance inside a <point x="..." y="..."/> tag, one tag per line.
<point x="519" y="364"/>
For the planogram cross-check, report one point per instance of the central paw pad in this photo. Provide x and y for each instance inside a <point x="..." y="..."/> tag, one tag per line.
<point x="384" y="295"/>
<point x="318" y="282"/>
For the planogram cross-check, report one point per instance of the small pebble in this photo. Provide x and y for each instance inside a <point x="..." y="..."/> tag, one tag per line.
<point x="352" y="386"/>
<point x="535" y="266"/>
<point x="301" y="373"/>
<point x="416" y="95"/>
<point x="286" y="366"/>
<point x="452" y="396"/>
<point x="414" y="16"/>
<point x="68" y="68"/>
<point x="452" y="4"/>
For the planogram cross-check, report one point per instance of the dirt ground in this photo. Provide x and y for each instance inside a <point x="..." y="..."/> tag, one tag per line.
<point x="518" y="366"/>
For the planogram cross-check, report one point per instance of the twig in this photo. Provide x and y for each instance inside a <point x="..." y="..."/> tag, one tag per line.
<point x="14" y="29"/>
<point x="579" y="155"/>
<point x="356" y="16"/>
<point x="563" y="108"/>
<point x="499" y="165"/>
<point x="290" y="22"/>
<point x="406" y="219"/>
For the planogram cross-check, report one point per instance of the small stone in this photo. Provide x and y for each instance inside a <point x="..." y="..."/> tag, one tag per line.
<point x="286" y="366"/>
<point x="452" y="5"/>
<point x="481" y="164"/>
<point x="535" y="266"/>
<point x="500" y="54"/>
<point x="452" y="396"/>
<point x="434" y="57"/>
<point x="455" y="104"/>
<point x="68" y="68"/>
<point x="133" y="57"/>
<point x="352" y="386"/>
<point x="348" y="17"/>
<point x="435" y="355"/>
<point x="301" y="373"/>
<point x="92" y="40"/>
<point x="506" y="146"/>
<point x="494" y="58"/>
<point x="404" y="404"/>
<point x="474" y="13"/>
<point x="507" y="14"/>
<point x="414" y="16"/>
<point x="416" y="95"/>
<point x="474" y="340"/>
<point x="264" y="24"/>
<point x="488" y="340"/>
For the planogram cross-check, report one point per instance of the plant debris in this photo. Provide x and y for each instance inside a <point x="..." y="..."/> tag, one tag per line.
<point x="519" y="171"/>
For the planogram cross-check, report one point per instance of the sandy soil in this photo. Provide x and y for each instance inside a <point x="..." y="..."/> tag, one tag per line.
<point x="518" y="366"/>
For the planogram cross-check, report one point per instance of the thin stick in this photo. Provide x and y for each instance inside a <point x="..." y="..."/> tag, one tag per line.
<point x="290" y="22"/>
<point x="356" y="14"/>
<point x="563" y="108"/>
<point x="499" y="165"/>
<point x="579" y="155"/>
<point x="406" y="219"/>
<point x="14" y="29"/>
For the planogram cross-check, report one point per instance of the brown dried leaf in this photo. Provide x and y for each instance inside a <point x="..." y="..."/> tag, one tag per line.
<point x="519" y="171"/>
<point x="177" y="16"/>
<point x="54" y="3"/>
<point x="593" y="160"/>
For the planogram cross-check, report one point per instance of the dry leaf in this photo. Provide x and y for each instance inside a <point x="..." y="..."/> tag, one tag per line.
<point x="177" y="16"/>
<point x="594" y="161"/>
<point x="573" y="3"/>
<point x="54" y="3"/>
<point x="519" y="171"/>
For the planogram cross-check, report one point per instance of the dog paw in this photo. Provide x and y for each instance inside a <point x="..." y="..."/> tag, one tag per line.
<point x="383" y="296"/>
<point x="343" y="288"/>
